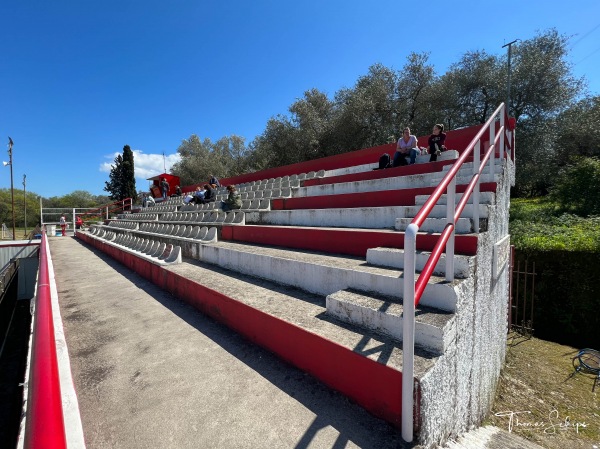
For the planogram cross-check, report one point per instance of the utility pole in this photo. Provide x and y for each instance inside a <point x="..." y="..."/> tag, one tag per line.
<point x="12" y="192"/>
<point x="509" y="45"/>
<point x="25" y="203"/>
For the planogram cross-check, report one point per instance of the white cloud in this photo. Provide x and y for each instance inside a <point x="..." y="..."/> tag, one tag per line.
<point x="146" y="165"/>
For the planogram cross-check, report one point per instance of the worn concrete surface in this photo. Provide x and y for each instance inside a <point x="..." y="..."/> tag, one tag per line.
<point x="150" y="371"/>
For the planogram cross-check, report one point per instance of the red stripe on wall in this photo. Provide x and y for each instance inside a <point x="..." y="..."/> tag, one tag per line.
<point x="401" y="197"/>
<point x="353" y="242"/>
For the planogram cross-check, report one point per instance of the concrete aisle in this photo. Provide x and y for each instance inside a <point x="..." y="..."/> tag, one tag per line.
<point x="152" y="372"/>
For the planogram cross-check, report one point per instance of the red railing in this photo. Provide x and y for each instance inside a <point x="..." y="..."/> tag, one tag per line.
<point x="44" y="423"/>
<point x="449" y="228"/>
<point x="413" y="291"/>
<point x="108" y="208"/>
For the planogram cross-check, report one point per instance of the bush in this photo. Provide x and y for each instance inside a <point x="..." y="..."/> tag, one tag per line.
<point x="539" y="225"/>
<point x="577" y="189"/>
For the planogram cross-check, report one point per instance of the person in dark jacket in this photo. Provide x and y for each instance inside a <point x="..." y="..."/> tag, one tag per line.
<point x="209" y="194"/>
<point x="214" y="181"/>
<point x="436" y="142"/>
<point x="233" y="201"/>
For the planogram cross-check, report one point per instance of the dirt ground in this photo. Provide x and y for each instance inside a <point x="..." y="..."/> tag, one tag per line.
<point x="541" y="399"/>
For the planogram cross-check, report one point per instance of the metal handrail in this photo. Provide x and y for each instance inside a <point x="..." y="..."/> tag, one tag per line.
<point x="45" y="422"/>
<point x="438" y="249"/>
<point x="99" y="210"/>
<point x="413" y="291"/>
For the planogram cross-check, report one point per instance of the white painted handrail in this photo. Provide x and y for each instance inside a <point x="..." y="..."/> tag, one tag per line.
<point x="411" y="292"/>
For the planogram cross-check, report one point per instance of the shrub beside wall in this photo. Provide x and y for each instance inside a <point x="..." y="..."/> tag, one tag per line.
<point x="567" y="296"/>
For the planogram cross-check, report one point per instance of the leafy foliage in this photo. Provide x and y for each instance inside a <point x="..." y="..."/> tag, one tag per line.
<point x="540" y="225"/>
<point x="552" y="125"/>
<point x="577" y="189"/>
<point x="200" y="159"/>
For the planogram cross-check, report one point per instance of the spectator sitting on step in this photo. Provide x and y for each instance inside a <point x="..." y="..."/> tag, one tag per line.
<point x="199" y="195"/>
<point x="233" y="201"/>
<point x="150" y="200"/>
<point x="214" y="181"/>
<point x="406" y="147"/>
<point x="436" y="142"/>
<point x="209" y="194"/>
<point x="178" y="192"/>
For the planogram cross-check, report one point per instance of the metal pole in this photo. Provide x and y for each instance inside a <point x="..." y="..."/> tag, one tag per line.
<point x="509" y="45"/>
<point x="25" y="203"/>
<point x="12" y="192"/>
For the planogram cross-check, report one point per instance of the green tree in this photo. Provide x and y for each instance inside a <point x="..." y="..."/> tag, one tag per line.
<point x="577" y="189"/>
<point x="201" y="158"/>
<point x="542" y="81"/>
<point x="121" y="183"/>
<point x="128" y="173"/>
<point x="577" y="129"/>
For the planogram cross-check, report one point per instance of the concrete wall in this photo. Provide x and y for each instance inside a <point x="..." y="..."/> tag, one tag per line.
<point x="459" y="391"/>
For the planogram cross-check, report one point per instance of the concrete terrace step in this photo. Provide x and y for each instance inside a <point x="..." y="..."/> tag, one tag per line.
<point x="379" y="174"/>
<point x="320" y="273"/>
<point x="294" y="325"/>
<point x="399" y="197"/>
<point x="394" y="258"/>
<point x="434" y="330"/>
<point x="349" y="241"/>
<point x="361" y="217"/>
<point x="450" y="155"/>
<point x="427" y="179"/>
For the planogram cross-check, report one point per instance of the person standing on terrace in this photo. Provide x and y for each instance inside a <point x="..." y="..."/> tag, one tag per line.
<point x="214" y="181"/>
<point x="164" y="187"/>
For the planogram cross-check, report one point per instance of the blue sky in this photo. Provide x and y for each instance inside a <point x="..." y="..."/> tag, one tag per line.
<point x="80" y="79"/>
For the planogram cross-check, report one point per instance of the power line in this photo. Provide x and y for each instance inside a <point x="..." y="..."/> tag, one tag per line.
<point x="585" y="35"/>
<point x="592" y="53"/>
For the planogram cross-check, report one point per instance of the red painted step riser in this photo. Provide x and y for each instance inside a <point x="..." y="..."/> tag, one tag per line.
<point x="338" y="241"/>
<point x="374" y="386"/>
<point x="403" y="197"/>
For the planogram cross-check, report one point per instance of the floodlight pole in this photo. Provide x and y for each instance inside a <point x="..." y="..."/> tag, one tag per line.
<point x="12" y="191"/>
<point x="25" y="203"/>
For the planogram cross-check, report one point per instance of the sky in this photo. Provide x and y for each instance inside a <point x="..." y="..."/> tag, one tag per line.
<point x="79" y="79"/>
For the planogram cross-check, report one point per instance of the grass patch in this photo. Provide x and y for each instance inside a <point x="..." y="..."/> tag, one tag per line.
<point x="537" y="379"/>
<point x="538" y="224"/>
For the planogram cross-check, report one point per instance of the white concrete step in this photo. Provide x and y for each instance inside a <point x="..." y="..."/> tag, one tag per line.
<point x="359" y="217"/>
<point x="437" y="225"/>
<point x="371" y="185"/>
<point x="434" y="330"/>
<point x="321" y="273"/>
<point x="421" y="159"/>
<point x="394" y="258"/>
